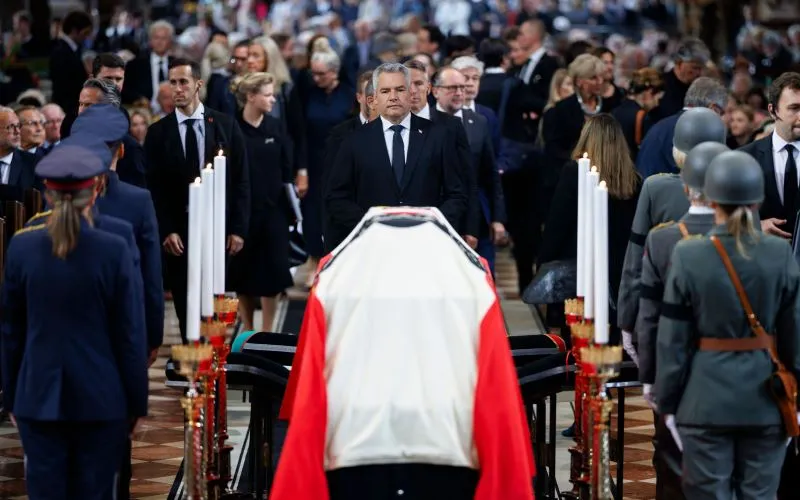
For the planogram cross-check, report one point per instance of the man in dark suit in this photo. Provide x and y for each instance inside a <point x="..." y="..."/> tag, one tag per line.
<point x="66" y="67"/>
<point x="398" y="159"/>
<point x="420" y="105"/>
<point x="146" y="72"/>
<point x="359" y="54"/>
<point x="486" y="209"/>
<point x="779" y="154"/>
<point x="176" y="148"/>
<point x="17" y="172"/>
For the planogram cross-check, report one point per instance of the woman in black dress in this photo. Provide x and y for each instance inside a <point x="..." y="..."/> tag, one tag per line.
<point x="644" y="93"/>
<point x="261" y="269"/>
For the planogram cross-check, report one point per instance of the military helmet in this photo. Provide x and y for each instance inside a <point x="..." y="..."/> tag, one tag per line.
<point x="734" y="178"/>
<point x="697" y="125"/>
<point x="693" y="172"/>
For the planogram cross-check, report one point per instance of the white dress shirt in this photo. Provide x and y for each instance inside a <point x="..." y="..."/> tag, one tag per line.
<point x="425" y="112"/>
<point x="458" y="114"/>
<point x="388" y="134"/>
<point x="199" y="129"/>
<point x="530" y="66"/>
<point x="363" y="119"/>
<point x="5" y="167"/>
<point x="779" y="158"/>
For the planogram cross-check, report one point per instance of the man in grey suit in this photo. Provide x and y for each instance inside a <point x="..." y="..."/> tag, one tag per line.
<point x="486" y="210"/>
<point x="662" y="199"/>
<point x="713" y="366"/>
<point x="655" y="266"/>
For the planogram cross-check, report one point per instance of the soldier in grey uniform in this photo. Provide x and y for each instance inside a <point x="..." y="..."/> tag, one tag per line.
<point x="711" y="374"/>
<point x="655" y="264"/>
<point x="662" y="199"/>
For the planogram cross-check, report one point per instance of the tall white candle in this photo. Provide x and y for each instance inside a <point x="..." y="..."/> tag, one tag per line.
<point x="220" y="240"/>
<point x="195" y="260"/>
<point x="592" y="178"/>
<point x="601" y="264"/>
<point x="583" y="170"/>
<point x="207" y="281"/>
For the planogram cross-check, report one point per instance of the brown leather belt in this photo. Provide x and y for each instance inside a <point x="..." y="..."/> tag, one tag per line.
<point x="735" y="345"/>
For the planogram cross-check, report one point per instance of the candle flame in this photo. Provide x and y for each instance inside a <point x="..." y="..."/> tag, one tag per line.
<point x="208" y="166"/>
<point x="594" y="168"/>
<point x="585" y="155"/>
<point x="197" y="180"/>
<point x="602" y="185"/>
<point x="220" y="153"/>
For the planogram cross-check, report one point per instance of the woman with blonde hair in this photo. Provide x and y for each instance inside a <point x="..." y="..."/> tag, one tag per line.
<point x="603" y="140"/>
<point x="261" y="269"/>
<point x="645" y="89"/>
<point x="140" y="121"/>
<point x="213" y="68"/>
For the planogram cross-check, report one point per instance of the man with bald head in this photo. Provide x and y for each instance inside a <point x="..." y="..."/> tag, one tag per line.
<point x="16" y="168"/>
<point x="486" y="210"/>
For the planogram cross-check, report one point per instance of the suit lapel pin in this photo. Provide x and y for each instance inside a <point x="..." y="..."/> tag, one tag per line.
<point x="419" y="130"/>
<point x="469" y="121"/>
<point x="210" y="119"/>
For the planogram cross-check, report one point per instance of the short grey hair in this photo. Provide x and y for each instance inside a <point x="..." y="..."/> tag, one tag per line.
<point x="108" y="90"/>
<point x="390" y="68"/>
<point x="162" y="25"/>
<point x="705" y="92"/>
<point x="697" y="196"/>
<point x="466" y="62"/>
<point x="329" y="59"/>
<point x="692" y="49"/>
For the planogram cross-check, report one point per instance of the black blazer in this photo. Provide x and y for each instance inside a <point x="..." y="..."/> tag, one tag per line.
<point x="139" y="78"/>
<point x="362" y="176"/>
<point x="492" y="207"/>
<point x="457" y="132"/>
<point x="529" y="98"/>
<point x="68" y="74"/>
<point x="168" y="176"/>
<point x="772" y="207"/>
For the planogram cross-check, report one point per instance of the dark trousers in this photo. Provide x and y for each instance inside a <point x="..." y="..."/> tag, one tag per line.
<point x="720" y="463"/>
<point x="176" y="274"/>
<point x="71" y="460"/>
<point x="524" y="221"/>
<point x="392" y="482"/>
<point x="125" y="473"/>
<point x="486" y="250"/>
<point x="667" y="459"/>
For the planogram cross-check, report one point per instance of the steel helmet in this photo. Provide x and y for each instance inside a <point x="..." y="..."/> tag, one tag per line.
<point x="698" y="125"/>
<point x="699" y="158"/>
<point x="734" y="178"/>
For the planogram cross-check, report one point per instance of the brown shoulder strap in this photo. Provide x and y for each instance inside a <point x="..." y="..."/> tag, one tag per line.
<point x="637" y="134"/>
<point x="755" y="325"/>
<point x="684" y="231"/>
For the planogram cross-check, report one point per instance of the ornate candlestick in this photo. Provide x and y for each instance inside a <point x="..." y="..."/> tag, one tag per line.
<point x="582" y="333"/>
<point x="601" y="362"/>
<point x="214" y="332"/>
<point x="226" y="310"/>
<point x="190" y="359"/>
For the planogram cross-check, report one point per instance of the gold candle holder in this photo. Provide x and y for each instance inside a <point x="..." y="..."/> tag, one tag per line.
<point x="191" y="360"/>
<point x="226" y="309"/>
<point x="573" y="310"/>
<point x="582" y="335"/>
<point x="601" y="363"/>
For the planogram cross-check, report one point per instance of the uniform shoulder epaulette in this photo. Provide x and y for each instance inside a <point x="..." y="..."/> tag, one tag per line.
<point x="664" y="224"/>
<point x="30" y="228"/>
<point x="40" y="215"/>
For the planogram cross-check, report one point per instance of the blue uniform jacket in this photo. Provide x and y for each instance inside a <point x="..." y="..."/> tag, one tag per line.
<point x="134" y="205"/>
<point x="655" y="152"/>
<point x="73" y="340"/>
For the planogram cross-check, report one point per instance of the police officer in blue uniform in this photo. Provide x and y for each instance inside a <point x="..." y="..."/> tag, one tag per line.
<point x="73" y="342"/>
<point x="107" y="126"/>
<point x="105" y="123"/>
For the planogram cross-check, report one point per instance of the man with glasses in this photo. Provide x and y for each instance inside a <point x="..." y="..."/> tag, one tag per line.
<point x="16" y="167"/>
<point x="32" y="134"/>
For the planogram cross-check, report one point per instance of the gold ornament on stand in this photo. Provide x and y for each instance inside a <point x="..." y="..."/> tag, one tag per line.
<point x="582" y="335"/>
<point x="192" y="362"/>
<point x="601" y="363"/>
<point x="226" y="310"/>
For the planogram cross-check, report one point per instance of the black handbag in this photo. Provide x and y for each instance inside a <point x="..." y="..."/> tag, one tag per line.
<point x="555" y="282"/>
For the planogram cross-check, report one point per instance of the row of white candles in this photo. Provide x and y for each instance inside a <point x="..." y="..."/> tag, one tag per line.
<point x="592" y="261"/>
<point x="206" y="246"/>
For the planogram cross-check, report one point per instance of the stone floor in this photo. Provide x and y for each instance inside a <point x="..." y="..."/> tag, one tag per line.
<point x="158" y="446"/>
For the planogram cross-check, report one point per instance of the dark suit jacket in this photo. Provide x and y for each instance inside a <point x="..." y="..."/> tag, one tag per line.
<point x="491" y="204"/>
<point x="655" y="151"/>
<point x="457" y="132"/>
<point x="529" y="98"/>
<point x="68" y="74"/>
<point x="772" y="207"/>
<point x="139" y="78"/>
<point x="168" y="176"/>
<point x="362" y="176"/>
<point x="21" y="177"/>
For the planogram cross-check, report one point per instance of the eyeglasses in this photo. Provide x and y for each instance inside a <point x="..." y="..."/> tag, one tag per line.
<point x="453" y="88"/>
<point x="13" y="127"/>
<point x="234" y="60"/>
<point x="33" y="123"/>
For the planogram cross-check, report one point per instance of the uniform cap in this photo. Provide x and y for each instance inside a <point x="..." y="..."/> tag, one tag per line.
<point x="698" y="125"/>
<point x="734" y="178"/>
<point x="74" y="164"/>
<point x="103" y="122"/>
<point x="699" y="158"/>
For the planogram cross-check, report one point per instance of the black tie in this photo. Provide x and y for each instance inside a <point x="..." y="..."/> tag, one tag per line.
<point x="790" y="189"/>
<point x="192" y="156"/>
<point x="161" y="76"/>
<point x="398" y="153"/>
